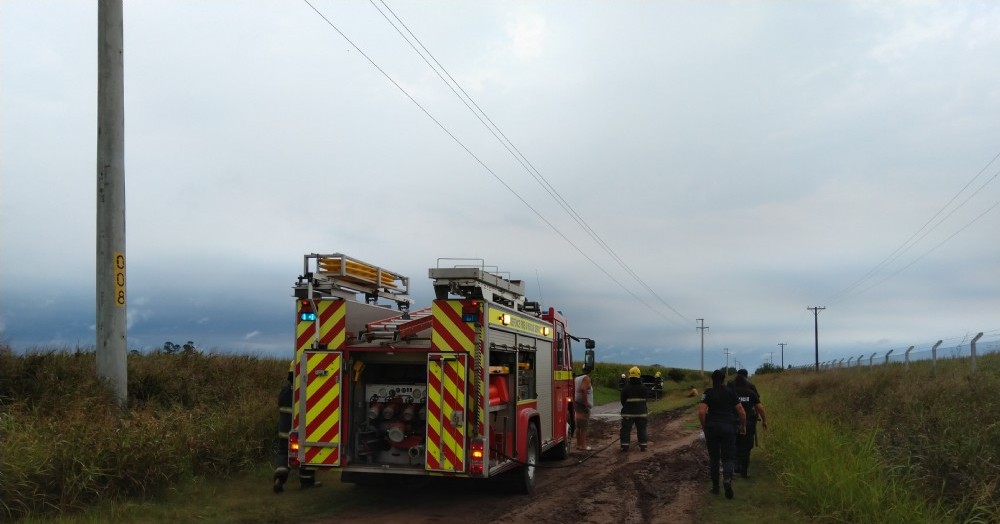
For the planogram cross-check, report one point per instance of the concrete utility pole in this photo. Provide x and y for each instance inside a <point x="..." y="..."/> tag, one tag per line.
<point x="782" y="344"/>
<point x="111" y="337"/>
<point x="816" y="310"/>
<point x="702" y="329"/>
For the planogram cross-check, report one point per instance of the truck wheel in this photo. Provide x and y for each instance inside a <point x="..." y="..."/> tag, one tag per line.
<point x="526" y="477"/>
<point x="561" y="452"/>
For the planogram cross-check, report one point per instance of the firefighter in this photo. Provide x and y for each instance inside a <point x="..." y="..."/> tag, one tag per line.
<point x="633" y="397"/>
<point x="284" y="426"/>
<point x="307" y="476"/>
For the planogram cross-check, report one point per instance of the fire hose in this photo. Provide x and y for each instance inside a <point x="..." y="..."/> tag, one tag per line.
<point x="559" y="466"/>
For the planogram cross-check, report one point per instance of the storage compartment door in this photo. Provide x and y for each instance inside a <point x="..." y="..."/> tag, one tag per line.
<point x="446" y="403"/>
<point x="323" y="385"/>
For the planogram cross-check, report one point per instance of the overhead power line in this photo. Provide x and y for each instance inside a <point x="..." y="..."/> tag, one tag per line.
<point x="919" y="236"/>
<point x="510" y="148"/>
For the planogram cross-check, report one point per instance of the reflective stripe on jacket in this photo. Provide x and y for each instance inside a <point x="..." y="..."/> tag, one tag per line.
<point x="633" y="397"/>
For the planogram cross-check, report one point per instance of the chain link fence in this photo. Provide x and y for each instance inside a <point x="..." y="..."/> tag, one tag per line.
<point x="970" y="347"/>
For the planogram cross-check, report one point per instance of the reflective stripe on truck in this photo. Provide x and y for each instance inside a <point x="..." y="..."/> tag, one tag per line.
<point x="323" y="385"/>
<point x="446" y="412"/>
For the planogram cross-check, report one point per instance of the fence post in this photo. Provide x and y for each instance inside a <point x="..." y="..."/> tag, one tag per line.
<point x="859" y="360"/>
<point x="973" y="350"/>
<point x="934" y="355"/>
<point x="871" y="360"/>
<point x="849" y="361"/>
<point x="908" y="356"/>
<point x="841" y="363"/>
<point x="887" y="355"/>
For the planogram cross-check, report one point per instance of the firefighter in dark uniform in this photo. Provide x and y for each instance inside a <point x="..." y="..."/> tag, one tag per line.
<point x="634" y="411"/>
<point x="307" y="477"/>
<point x="284" y="426"/>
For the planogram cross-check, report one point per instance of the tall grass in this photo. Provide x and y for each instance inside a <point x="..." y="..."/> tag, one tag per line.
<point x="64" y="444"/>
<point x="891" y="443"/>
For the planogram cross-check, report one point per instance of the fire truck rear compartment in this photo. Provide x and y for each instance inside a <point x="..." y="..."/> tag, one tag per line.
<point x="389" y="413"/>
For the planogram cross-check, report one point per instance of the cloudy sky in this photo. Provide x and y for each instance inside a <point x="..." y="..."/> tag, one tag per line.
<point x="640" y="165"/>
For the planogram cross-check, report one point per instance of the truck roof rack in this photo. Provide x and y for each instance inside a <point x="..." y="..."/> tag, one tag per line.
<point x="477" y="283"/>
<point x="340" y="275"/>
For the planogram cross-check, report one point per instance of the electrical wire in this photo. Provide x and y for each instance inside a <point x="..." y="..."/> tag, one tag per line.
<point x="512" y="148"/>
<point x="483" y="164"/>
<point x="916" y="237"/>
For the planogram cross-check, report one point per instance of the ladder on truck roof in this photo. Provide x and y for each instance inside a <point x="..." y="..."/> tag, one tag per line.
<point x="399" y="327"/>
<point x="477" y="283"/>
<point x="340" y="275"/>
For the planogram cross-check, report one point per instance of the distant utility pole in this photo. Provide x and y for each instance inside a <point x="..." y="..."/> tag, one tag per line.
<point x="702" y="329"/>
<point x="782" y="344"/>
<point x="110" y="327"/>
<point x="726" y="351"/>
<point x="771" y="360"/>
<point x="816" y="310"/>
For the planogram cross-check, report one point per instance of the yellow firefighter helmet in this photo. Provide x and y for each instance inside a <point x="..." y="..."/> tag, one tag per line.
<point x="633" y="372"/>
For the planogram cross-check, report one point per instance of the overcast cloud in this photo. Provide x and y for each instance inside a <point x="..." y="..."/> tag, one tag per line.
<point x="744" y="160"/>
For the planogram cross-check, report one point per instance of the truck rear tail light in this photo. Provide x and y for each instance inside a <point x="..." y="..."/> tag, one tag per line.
<point x="306" y="312"/>
<point x="476" y="453"/>
<point x="470" y="311"/>
<point x="293" y="449"/>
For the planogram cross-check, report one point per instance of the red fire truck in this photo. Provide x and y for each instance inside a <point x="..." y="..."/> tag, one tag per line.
<point x="477" y="385"/>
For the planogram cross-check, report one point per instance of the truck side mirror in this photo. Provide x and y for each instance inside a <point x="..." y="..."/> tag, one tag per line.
<point x="588" y="361"/>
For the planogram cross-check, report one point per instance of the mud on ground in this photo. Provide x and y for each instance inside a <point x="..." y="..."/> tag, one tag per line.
<point x="666" y="483"/>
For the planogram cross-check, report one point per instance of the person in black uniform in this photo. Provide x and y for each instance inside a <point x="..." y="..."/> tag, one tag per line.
<point x="754" y="410"/>
<point x="634" y="411"/>
<point x="738" y="467"/>
<point x="718" y="412"/>
<point x="285" y="399"/>
<point x="745" y="374"/>
<point x="307" y="476"/>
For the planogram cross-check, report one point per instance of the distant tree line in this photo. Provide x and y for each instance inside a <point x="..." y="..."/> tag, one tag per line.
<point x="188" y="348"/>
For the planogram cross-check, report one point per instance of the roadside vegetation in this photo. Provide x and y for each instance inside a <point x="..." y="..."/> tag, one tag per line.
<point x="868" y="445"/>
<point x="883" y="444"/>
<point x="64" y="445"/>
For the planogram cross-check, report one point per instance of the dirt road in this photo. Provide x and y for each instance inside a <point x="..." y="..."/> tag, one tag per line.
<point x="663" y="484"/>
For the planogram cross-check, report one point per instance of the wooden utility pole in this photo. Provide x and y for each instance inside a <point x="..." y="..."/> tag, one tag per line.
<point x="702" y="329"/>
<point x="782" y="344"/>
<point x="816" y="311"/>
<point x="111" y="336"/>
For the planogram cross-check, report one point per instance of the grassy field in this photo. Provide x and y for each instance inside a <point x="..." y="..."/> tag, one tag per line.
<point x="883" y="444"/>
<point x="873" y="445"/>
<point x="65" y="446"/>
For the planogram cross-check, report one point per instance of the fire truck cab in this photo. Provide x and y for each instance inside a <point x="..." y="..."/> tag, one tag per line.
<point x="479" y="384"/>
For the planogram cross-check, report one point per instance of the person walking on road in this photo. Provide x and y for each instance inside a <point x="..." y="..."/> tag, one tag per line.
<point x="634" y="410"/>
<point x="583" y="402"/>
<point x="755" y="410"/>
<point x="718" y="412"/>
